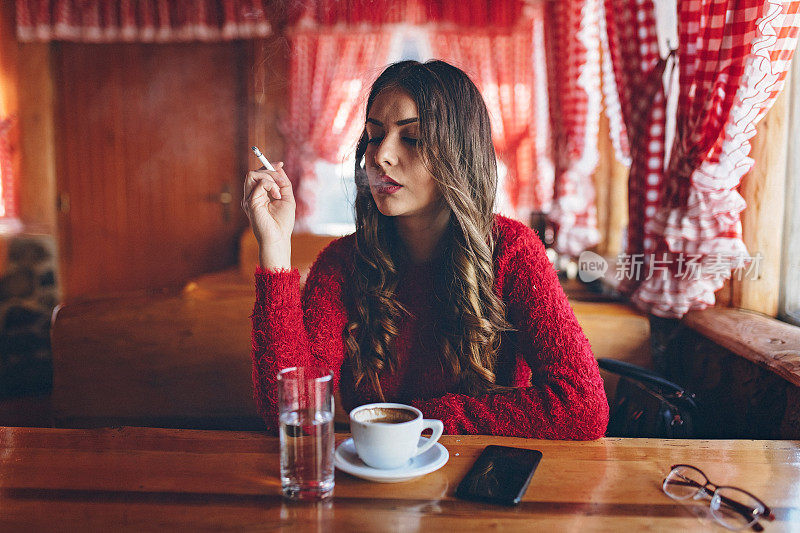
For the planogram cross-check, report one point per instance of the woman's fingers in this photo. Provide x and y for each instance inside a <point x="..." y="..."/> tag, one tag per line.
<point x="276" y="182"/>
<point x="268" y="185"/>
<point x="254" y="179"/>
<point x="260" y="191"/>
<point x="260" y="197"/>
<point x="257" y="186"/>
<point x="268" y="202"/>
<point x="282" y="180"/>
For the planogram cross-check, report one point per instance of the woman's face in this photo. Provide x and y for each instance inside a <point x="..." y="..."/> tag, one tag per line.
<point x="398" y="180"/>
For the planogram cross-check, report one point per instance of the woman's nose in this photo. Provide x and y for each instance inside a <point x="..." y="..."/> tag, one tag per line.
<point x="387" y="152"/>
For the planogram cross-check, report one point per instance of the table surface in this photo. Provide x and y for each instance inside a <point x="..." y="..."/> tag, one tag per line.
<point x="144" y="479"/>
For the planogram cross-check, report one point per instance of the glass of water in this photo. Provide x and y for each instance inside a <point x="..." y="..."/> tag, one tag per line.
<point x="305" y="403"/>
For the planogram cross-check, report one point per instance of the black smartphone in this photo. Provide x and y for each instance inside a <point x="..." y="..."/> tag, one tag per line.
<point x="501" y="474"/>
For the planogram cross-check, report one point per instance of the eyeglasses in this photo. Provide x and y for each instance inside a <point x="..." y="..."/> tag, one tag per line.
<point x="732" y="507"/>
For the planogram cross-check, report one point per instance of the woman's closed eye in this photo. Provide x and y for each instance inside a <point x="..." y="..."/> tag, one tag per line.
<point x="413" y="141"/>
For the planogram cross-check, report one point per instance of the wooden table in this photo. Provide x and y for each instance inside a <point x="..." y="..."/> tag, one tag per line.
<point x="144" y="479"/>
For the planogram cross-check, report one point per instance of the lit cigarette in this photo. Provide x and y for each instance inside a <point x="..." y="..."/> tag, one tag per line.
<point x="263" y="159"/>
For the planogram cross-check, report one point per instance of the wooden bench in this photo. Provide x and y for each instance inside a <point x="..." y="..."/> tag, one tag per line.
<point x="182" y="359"/>
<point x="616" y="331"/>
<point x="744" y="368"/>
<point x="169" y="360"/>
<point x="176" y="358"/>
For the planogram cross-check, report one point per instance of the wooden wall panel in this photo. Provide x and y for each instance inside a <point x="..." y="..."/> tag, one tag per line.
<point x="37" y="177"/>
<point x="738" y="399"/>
<point x="611" y="186"/>
<point x="267" y="95"/>
<point x="148" y="137"/>
<point x="764" y="190"/>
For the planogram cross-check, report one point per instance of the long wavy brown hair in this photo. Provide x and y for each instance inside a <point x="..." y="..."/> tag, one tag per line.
<point x="456" y="147"/>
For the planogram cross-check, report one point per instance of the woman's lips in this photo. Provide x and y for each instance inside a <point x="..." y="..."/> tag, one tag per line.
<point x="386" y="185"/>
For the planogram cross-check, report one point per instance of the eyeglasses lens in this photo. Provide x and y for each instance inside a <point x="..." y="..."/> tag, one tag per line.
<point x="684" y="482"/>
<point x="734" y="508"/>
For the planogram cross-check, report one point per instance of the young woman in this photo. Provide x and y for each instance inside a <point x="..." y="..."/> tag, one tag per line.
<point x="433" y="301"/>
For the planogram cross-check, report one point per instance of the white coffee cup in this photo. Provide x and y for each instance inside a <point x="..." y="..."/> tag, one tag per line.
<point x="386" y="435"/>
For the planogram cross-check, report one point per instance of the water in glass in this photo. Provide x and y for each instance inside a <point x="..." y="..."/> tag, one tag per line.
<point x="307" y="454"/>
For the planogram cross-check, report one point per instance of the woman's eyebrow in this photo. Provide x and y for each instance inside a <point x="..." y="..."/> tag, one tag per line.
<point x="399" y="122"/>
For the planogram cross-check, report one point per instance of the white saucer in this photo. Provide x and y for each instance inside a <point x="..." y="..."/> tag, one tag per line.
<point x="346" y="459"/>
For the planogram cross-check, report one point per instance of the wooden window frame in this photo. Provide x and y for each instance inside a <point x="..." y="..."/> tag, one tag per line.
<point x="789" y="307"/>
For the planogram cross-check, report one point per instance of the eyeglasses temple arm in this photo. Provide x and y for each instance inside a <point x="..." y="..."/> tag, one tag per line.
<point x="745" y="512"/>
<point x="733" y="504"/>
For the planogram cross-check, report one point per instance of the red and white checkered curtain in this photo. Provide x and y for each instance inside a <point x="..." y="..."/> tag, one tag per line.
<point x="103" y="21"/>
<point x="636" y="108"/>
<point x="8" y="207"/>
<point x="733" y="60"/>
<point x="573" y="70"/>
<point x="372" y="13"/>
<point x="330" y="74"/>
<point x="503" y="66"/>
<point x="338" y="48"/>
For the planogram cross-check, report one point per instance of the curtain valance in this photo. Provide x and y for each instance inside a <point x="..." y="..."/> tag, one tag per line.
<point x="103" y="21"/>
<point x="214" y="20"/>
<point x="461" y="13"/>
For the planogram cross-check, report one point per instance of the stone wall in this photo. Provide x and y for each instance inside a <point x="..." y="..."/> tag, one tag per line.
<point x="28" y="294"/>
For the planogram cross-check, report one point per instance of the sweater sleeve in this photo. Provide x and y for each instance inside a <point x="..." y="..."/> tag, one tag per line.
<point x="290" y="329"/>
<point x="566" y="399"/>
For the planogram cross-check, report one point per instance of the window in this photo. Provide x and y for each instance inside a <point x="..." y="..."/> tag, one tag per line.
<point x="333" y="198"/>
<point x="8" y="221"/>
<point x="790" y="271"/>
<point x="3" y="173"/>
<point x="8" y="117"/>
<point x="334" y="190"/>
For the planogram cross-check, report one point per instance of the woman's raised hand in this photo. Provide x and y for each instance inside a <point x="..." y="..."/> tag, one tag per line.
<point x="268" y="201"/>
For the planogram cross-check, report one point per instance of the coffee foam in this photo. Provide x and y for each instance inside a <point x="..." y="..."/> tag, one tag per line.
<point x="384" y="415"/>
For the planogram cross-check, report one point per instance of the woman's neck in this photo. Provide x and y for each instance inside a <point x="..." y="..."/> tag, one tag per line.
<point x="421" y="234"/>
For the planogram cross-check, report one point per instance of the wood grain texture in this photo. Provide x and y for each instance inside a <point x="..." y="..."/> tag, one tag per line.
<point x="611" y="184"/>
<point x="133" y="479"/>
<point x="267" y="95"/>
<point x="37" y="188"/>
<point x="763" y="188"/>
<point x="737" y="398"/>
<point x="724" y="296"/>
<point x="790" y="289"/>
<point x="175" y="359"/>
<point x="616" y="331"/>
<point x="770" y="343"/>
<point x="601" y="183"/>
<point x="148" y="137"/>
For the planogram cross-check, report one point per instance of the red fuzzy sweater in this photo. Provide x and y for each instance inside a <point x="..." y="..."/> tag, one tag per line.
<point x="560" y="393"/>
